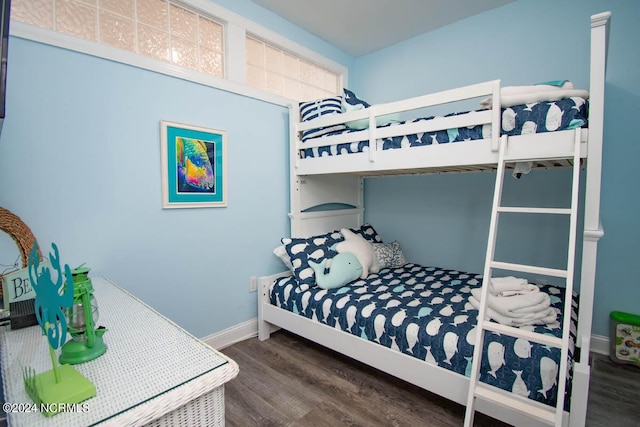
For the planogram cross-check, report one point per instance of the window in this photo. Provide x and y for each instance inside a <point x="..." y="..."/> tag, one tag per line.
<point x="195" y="40"/>
<point x="282" y="73"/>
<point x="154" y="28"/>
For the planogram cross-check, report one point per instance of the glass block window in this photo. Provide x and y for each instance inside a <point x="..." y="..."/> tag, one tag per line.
<point x="158" y="29"/>
<point x="282" y="73"/>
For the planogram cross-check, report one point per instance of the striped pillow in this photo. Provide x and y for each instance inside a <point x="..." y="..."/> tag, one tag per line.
<point x="320" y="107"/>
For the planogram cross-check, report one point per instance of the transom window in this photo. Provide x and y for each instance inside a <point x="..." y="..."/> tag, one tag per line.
<point x="156" y="28"/>
<point x="282" y="73"/>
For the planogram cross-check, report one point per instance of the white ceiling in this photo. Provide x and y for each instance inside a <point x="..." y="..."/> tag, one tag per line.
<point x="359" y="27"/>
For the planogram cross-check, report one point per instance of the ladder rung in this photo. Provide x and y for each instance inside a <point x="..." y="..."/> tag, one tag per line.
<point x="531" y="408"/>
<point x="556" y="211"/>
<point x="521" y="333"/>
<point x="529" y="269"/>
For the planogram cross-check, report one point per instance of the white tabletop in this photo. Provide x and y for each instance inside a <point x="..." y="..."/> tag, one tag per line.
<point x="147" y="355"/>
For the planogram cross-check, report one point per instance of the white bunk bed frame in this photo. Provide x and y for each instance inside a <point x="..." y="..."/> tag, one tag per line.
<point x="339" y="179"/>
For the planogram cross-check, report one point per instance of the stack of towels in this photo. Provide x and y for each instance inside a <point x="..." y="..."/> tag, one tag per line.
<point x="515" y="302"/>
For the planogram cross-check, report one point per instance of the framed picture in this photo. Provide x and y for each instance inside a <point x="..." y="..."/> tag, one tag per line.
<point x="194" y="166"/>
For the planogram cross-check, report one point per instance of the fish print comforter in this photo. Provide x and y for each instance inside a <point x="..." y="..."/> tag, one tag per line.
<point x="540" y="117"/>
<point x="424" y="312"/>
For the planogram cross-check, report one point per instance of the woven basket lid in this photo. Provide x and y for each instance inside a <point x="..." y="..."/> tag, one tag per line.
<point x="21" y="234"/>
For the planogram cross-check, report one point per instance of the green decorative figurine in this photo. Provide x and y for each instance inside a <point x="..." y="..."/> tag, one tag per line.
<point x="63" y="384"/>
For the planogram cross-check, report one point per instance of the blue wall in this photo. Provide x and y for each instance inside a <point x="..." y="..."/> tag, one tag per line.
<point x="80" y="156"/>
<point x="444" y="220"/>
<point x="80" y="164"/>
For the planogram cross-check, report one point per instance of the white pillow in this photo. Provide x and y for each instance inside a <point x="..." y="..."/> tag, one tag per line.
<point x="281" y="253"/>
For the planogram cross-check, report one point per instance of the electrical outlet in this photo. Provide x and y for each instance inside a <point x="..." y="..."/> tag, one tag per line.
<point x="253" y="284"/>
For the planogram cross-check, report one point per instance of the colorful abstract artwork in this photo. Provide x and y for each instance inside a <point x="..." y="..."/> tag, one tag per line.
<point x="194" y="158"/>
<point x="193" y="166"/>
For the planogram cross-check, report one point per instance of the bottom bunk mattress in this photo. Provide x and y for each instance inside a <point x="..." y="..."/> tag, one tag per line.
<point x="424" y="312"/>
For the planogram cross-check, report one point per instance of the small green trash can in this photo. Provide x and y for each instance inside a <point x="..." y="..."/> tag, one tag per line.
<point x="625" y="338"/>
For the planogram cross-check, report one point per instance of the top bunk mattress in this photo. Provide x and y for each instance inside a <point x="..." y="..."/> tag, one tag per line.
<point x="531" y="118"/>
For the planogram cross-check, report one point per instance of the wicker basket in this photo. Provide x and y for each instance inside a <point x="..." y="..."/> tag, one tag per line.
<point x="20" y="232"/>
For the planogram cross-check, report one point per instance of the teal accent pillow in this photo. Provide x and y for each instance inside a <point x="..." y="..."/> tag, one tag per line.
<point x="364" y="123"/>
<point x="355" y="124"/>
<point x="345" y="268"/>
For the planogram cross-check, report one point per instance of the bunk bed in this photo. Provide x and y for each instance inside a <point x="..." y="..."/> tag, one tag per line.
<point x="330" y="159"/>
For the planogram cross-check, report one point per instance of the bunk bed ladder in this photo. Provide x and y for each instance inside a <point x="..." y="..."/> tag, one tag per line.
<point x="479" y="390"/>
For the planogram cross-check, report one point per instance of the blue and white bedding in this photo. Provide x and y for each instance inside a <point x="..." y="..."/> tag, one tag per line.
<point x="540" y="117"/>
<point x="424" y="312"/>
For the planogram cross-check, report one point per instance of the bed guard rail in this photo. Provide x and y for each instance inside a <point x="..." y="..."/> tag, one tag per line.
<point x="483" y="117"/>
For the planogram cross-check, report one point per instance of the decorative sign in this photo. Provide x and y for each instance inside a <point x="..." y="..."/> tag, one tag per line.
<point x="16" y="285"/>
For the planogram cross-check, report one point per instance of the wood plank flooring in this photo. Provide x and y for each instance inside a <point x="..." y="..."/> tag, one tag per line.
<point x="290" y="381"/>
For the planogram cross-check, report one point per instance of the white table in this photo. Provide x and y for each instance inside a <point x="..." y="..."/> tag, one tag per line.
<point x="153" y="373"/>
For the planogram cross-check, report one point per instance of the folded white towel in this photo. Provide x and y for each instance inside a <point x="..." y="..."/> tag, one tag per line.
<point x="543" y="317"/>
<point x="529" y="302"/>
<point x="528" y="288"/>
<point x="498" y="285"/>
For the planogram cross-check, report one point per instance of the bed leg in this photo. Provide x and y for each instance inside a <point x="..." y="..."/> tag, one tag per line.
<point x="264" y="328"/>
<point x="579" y="394"/>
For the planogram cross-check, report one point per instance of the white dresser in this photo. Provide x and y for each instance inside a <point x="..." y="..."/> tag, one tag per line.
<point x="153" y="373"/>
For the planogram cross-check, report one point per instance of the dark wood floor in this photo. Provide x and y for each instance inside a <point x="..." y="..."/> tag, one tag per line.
<point x="289" y="381"/>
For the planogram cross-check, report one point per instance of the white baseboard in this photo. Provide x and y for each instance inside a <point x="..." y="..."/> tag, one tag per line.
<point x="600" y="344"/>
<point x="249" y="329"/>
<point x="232" y="335"/>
